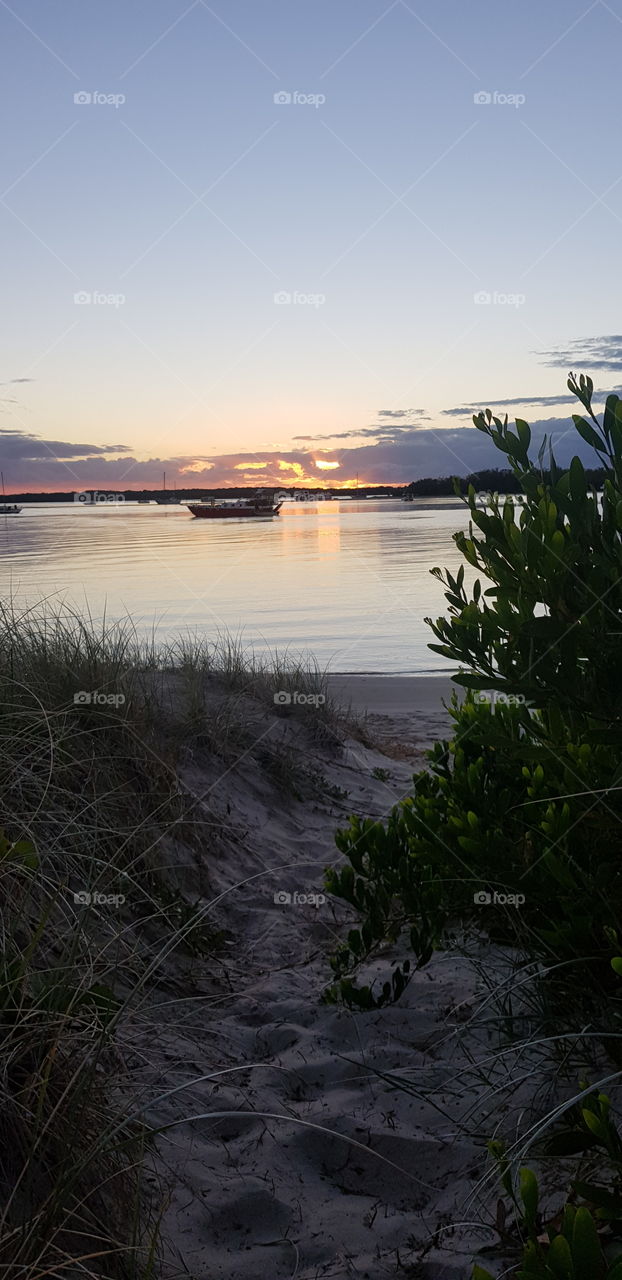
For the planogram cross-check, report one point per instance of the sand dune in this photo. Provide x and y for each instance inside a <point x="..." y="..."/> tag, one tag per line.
<point x="304" y="1163"/>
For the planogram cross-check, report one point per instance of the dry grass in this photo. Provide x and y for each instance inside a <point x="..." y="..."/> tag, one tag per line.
<point x="89" y="796"/>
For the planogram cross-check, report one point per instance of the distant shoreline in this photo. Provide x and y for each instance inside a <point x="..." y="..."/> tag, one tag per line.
<point x="191" y="495"/>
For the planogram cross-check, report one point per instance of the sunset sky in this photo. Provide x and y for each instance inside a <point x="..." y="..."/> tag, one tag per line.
<point x="200" y="278"/>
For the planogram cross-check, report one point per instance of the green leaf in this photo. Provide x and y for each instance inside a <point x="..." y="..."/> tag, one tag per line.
<point x="21" y="851"/>
<point x="568" y="1216"/>
<point x="587" y="1254"/>
<point x="578" y="483"/>
<point x="594" y="1124"/>
<point x="588" y="433"/>
<point x="609" y="414"/>
<point x="524" y="432"/>
<point x="609" y="1203"/>
<point x="569" y="1142"/>
<point x="528" y="1188"/>
<point x="559" y="1259"/>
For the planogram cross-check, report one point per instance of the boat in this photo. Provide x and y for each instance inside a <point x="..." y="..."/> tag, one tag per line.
<point x="8" y="508"/>
<point x="168" y="499"/>
<point x="263" y="504"/>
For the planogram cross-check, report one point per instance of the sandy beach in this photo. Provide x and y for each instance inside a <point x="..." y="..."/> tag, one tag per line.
<point x="404" y="713"/>
<point x="288" y="1153"/>
<point x="397" y="696"/>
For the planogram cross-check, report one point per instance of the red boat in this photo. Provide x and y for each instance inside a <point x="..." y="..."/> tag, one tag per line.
<point x="261" y="505"/>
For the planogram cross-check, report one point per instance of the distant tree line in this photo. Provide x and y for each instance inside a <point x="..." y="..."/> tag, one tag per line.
<point x="494" y="480"/>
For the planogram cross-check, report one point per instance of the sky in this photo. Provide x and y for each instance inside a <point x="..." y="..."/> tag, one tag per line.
<point x="249" y="241"/>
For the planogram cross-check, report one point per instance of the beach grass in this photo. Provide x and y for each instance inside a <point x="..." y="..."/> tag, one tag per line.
<point x="93" y="725"/>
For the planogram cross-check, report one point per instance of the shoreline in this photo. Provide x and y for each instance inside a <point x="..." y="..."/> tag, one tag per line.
<point x="404" y="714"/>
<point x="394" y="695"/>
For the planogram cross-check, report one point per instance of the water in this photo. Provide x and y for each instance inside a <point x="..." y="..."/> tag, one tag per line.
<point x="347" y="581"/>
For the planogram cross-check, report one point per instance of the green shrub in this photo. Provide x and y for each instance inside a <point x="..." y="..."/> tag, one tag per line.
<point x="582" y="1242"/>
<point x="525" y="800"/>
<point x="521" y="808"/>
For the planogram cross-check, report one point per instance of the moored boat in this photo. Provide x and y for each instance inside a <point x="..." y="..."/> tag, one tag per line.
<point x="166" y="498"/>
<point x="8" y="508"/>
<point x="261" y="505"/>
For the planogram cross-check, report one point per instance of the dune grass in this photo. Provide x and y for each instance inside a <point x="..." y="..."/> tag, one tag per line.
<point x="93" y="723"/>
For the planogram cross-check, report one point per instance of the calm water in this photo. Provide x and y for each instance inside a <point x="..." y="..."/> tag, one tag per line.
<point x="347" y="581"/>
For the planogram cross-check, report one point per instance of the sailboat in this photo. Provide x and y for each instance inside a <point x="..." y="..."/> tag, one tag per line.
<point x="8" y="508"/>
<point x="167" y="499"/>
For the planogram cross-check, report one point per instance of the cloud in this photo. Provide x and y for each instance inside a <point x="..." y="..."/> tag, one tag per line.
<point x="451" y="451"/>
<point x="24" y="447"/>
<point x="586" y="354"/>
<point x="9" y="383"/>
<point x="198" y="464"/>
<point x="358" y="433"/>
<point x="521" y="402"/>
<point x="380" y="431"/>
<point x="32" y="465"/>
<point x="400" y="413"/>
